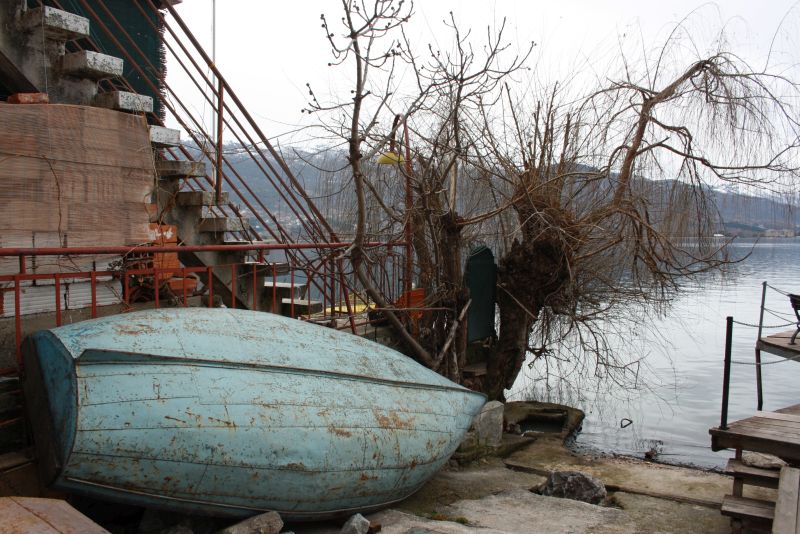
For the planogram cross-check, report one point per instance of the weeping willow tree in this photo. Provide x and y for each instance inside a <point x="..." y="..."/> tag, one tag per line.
<point x="596" y="198"/>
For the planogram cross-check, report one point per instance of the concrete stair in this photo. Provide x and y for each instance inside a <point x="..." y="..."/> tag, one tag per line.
<point x="217" y="225"/>
<point x="91" y="65"/>
<point x="124" y="101"/>
<point x="33" y="59"/>
<point x="56" y="24"/>
<point x="161" y="137"/>
<point x="295" y="308"/>
<point x="174" y="169"/>
<point x="199" y="198"/>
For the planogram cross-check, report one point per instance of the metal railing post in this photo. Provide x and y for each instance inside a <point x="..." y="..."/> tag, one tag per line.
<point x="726" y="377"/>
<point x="759" y="386"/>
<point x="218" y="174"/>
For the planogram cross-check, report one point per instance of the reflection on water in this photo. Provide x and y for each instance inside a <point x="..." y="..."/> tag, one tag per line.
<point x="683" y="374"/>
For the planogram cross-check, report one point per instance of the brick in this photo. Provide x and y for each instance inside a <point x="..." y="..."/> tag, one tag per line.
<point x="29" y="98"/>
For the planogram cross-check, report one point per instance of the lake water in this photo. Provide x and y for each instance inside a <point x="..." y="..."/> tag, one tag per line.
<point x="683" y="352"/>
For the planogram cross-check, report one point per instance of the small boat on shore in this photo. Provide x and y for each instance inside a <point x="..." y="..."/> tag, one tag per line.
<point x="231" y="413"/>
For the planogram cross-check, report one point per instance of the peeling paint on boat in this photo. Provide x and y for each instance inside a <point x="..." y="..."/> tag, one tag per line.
<point x="232" y="412"/>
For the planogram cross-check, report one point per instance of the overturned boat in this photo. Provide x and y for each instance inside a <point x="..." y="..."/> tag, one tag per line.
<point x="231" y="413"/>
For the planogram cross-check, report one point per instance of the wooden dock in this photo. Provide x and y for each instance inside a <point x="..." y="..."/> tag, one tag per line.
<point x="776" y="433"/>
<point x="778" y="344"/>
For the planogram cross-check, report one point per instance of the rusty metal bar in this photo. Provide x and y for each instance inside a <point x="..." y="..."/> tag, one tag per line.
<point x="293" y="179"/>
<point x="183" y="287"/>
<point x="223" y="85"/>
<point x="291" y="295"/>
<point x="255" y="288"/>
<point x="60" y="251"/>
<point x="126" y="290"/>
<point x="94" y="293"/>
<point x="306" y="217"/>
<point x="157" y="287"/>
<point x="57" y="285"/>
<point x="233" y="285"/>
<point x="274" y="288"/>
<point x="210" y="287"/>
<point x="218" y="177"/>
<point x="18" y="321"/>
<point x="408" y="230"/>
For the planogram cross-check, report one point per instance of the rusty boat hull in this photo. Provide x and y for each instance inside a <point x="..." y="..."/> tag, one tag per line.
<point x="231" y="413"/>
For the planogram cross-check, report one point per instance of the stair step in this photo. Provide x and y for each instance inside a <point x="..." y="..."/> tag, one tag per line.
<point x="57" y="24"/>
<point x="161" y="137"/>
<point x="180" y="168"/>
<point x="200" y="198"/>
<point x="302" y="306"/>
<point x="754" y="510"/>
<point x="124" y="101"/>
<point x="11" y="460"/>
<point x="754" y="476"/>
<point x="92" y="65"/>
<point x="221" y="224"/>
<point x="284" y="290"/>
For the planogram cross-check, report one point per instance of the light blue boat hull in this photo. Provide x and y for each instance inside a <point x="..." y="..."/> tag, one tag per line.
<point x="229" y="412"/>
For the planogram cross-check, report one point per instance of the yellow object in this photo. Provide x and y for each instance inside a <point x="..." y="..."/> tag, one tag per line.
<point x="390" y="158"/>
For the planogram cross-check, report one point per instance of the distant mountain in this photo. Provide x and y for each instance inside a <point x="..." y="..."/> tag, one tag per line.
<point x="742" y="214"/>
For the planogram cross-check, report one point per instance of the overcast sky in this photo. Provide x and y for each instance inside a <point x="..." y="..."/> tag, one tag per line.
<point x="268" y="50"/>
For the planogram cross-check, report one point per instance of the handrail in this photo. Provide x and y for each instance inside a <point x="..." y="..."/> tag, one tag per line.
<point x="310" y="220"/>
<point x="142" y="263"/>
<point x="100" y="250"/>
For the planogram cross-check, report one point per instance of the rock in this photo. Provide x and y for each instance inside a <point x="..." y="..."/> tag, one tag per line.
<point x="488" y="424"/>
<point x="761" y="460"/>
<point x="357" y="524"/>
<point x="268" y="523"/>
<point x="574" y="485"/>
<point x="178" y="529"/>
<point x="157" y="521"/>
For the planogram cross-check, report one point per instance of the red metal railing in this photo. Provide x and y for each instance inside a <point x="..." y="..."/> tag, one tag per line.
<point x="320" y="282"/>
<point x="188" y="59"/>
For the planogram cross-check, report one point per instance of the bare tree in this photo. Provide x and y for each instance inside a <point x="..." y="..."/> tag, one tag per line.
<point x="597" y="203"/>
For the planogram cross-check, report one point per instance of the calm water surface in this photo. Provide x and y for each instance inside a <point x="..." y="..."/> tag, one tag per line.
<point x="684" y="353"/>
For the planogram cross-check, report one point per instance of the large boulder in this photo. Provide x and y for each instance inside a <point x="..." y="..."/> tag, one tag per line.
<point x="576" y="486"/>
<point x="357" y="524"/>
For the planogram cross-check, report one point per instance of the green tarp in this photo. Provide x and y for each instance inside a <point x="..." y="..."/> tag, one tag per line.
<point x="481" y="277"/>
<point x="150" y="55"/>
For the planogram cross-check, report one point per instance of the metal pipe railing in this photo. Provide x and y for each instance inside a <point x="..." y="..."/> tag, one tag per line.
<point x="726" y="376"/>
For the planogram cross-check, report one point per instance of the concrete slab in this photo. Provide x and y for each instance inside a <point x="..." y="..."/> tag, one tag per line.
<point x="220" y="224"/>
<point x="200" y="198"/>
<point x="93" y="65"/>
<point x="631" y="475"/>
<point x="55" y="23"/>
<point x="180" y="168"/>
<point x="124" y="101"/>
<point x="161" y="137"/>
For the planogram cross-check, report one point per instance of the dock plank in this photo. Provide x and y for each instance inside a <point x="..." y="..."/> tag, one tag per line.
<point x="786" y="508"/>
<point x="29" y="515"/>
<point x="754" y="510"/>
<point x="778" y="416"/>
<point x="778" y="344"/>
<point x="756" y="476"/>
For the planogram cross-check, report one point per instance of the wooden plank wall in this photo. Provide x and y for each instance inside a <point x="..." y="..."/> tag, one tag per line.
<point x="72" y="176"/>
